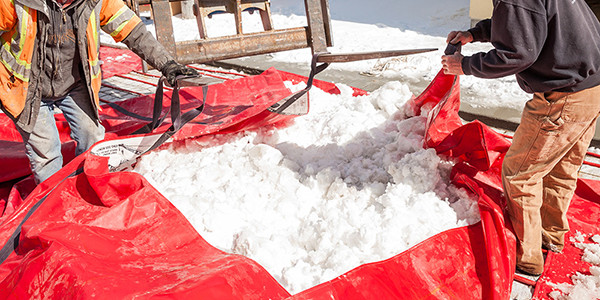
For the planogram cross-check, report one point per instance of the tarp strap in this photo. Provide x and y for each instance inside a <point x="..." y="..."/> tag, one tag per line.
<point x="126" y="112"/>
<point x="178" y="120"/>
<point x="156" y="111"/>
<point x="13" y="242"/>
<point x="314" y="70"/>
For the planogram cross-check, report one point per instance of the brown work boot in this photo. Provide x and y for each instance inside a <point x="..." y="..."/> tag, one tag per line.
<point x="529" y="271"/>
<point x="549" y="245"/>
<point x="531" y="261"/>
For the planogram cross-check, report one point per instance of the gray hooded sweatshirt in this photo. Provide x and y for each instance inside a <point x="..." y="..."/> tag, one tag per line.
<point x="550" y="45"/>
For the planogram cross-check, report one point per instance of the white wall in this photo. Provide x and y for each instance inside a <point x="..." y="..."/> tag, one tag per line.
<point x="426" y="16"/>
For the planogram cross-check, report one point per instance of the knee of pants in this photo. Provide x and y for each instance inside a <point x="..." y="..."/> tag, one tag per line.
<point x="45" y="160"/>
<point x="88" y="136"/>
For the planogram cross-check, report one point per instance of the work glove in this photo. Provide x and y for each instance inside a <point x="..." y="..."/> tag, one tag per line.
<point x="172" y="69"/>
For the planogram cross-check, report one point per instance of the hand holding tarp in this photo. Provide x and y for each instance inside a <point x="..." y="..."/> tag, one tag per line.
<point x="172" y="69"/>
<point x="462" y="37"/>
<point x="452" y="64"/>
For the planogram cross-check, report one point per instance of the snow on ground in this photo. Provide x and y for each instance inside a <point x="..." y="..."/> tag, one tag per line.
<point x="585" y="287"/>
<point x="349" y="183"/>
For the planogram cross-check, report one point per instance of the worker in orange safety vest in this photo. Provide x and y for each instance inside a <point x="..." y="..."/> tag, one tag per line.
<point x="49" y="59"/>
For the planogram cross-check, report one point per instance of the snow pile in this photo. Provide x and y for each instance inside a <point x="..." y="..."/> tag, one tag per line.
<point x="584" y="286"/>
<point x="347" y="184"/>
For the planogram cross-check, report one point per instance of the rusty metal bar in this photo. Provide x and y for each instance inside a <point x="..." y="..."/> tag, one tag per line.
<point x="199" y="13"/>
<point x="161" y="11"/>
<point x="241" y="45"/>
<point x="265" y="16"/>
<point x="237" y="13"/>
<point x="327" y="22"/>
<point x="314" y="15"/>
<point x="349" y="57"/>
<point x="316" y="35"/>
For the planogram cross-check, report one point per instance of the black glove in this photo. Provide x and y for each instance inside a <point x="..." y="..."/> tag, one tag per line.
<point x="172" y="69"/>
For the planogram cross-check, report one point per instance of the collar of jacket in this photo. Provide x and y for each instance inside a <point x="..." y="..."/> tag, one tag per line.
<point x="42" y="6"/>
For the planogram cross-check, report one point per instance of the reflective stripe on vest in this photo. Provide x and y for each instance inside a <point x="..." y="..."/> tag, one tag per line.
<point x="11" y="50"/>
<point x="93" y="59"/>
<point x="118" y="21"/>
<point x="93" y="47"/>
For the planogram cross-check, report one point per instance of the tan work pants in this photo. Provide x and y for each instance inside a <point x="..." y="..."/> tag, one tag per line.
<point x="539" y="171"/>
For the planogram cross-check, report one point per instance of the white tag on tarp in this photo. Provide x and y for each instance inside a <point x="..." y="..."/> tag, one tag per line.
<point x="123" y="153"/>
<point x="299" y="107"/>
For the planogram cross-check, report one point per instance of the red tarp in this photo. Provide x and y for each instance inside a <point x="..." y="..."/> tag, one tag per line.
<point x="112" y="235"/>
<point x="117" y="61"/>
<point x="584" y="216"/>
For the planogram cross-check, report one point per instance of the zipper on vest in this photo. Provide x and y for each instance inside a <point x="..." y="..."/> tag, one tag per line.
<point x="57" y="66"/>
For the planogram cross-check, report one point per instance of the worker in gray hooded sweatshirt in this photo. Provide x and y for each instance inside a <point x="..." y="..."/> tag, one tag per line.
<point x="553" y="48"/>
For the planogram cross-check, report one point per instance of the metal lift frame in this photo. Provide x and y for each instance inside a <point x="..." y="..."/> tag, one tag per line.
<point x="317" y="35"/>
